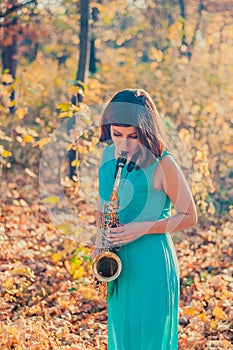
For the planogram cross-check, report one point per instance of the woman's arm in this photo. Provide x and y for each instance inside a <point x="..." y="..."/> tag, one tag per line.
<point x="168" y="177"/>
<point x="174" y="184"/>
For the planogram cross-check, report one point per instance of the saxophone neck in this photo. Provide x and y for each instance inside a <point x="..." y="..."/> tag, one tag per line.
<point x="118" y="172"/>
<point x="114" y="196"/>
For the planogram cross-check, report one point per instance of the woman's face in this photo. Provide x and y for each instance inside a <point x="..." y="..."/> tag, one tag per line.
<point x="125" y="138"/>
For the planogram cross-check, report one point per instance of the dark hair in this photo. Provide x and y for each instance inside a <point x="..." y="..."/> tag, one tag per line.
<point x="135" y="107"/>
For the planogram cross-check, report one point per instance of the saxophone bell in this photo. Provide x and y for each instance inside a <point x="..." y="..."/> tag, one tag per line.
<point x="107" y="266"/>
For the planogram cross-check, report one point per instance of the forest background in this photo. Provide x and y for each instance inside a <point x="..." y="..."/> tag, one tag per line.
<point x="181" y="53"/>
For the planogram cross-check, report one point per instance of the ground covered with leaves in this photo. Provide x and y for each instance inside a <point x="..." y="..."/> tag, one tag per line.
<point x="46" y="296"/>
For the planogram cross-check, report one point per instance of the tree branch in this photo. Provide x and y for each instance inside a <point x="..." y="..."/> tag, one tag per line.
<point x="189" y="46"/>
<point x="14" y="8"/>
<point x="200" y="9"/>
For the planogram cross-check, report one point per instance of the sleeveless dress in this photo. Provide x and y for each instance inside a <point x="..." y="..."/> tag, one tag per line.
<point x="143" y="300"/>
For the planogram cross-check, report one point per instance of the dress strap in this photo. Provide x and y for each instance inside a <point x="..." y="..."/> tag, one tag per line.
<point x="150" y="170"/>
<point x="165" y="153"/>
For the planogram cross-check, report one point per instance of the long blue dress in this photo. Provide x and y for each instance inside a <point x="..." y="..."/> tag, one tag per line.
<point x="143" y="301"/>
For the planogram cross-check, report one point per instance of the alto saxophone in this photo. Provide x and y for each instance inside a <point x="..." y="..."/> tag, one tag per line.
<point x="107" y="265"/>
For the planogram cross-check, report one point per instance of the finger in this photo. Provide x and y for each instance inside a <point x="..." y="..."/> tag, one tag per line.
<point x="115" y="234"/>
<point x="118" y="243"/>
<point x="115" y="237"/>
<point x="113" y="240"/>
<point x="116" y="229"/>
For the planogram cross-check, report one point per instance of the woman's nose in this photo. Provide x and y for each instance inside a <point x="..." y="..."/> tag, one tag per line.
<point x="124" y="143"/>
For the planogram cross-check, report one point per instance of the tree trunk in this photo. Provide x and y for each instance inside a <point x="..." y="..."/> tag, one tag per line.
<point x="92" y="63"/>
<point x="186" y="48"/>
<point x="93" y="60"/>
<point x="81" y="72"/>
<point x="9" y="57"/>
<point x="9" y="25"/>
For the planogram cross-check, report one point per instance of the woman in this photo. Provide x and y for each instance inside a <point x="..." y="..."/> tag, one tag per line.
<point x="143" y="300"/>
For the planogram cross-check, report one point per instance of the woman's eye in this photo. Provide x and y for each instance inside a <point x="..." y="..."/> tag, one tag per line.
<point x="130" y="136"/>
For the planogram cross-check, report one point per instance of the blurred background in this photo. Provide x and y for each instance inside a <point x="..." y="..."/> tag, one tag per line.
<point x="60" y="62"/>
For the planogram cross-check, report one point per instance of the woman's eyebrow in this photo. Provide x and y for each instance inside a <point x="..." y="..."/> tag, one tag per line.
<point x="118" y="132"/>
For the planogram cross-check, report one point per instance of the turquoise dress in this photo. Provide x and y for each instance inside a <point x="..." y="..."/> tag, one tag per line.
<point x="143" y="301"/>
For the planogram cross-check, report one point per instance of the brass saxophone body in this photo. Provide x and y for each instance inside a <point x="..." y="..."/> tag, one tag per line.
<point x="107" y="265"/>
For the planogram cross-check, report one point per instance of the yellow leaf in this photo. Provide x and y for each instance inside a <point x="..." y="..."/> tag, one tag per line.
<point x="175" y="31"/>
<point x="230" y="150"/>
<point x="74" y="90"/>
<point x="28" y="138"/>
<point x="213" y="324"/>
<point x="184" y="135"/>
<point x="41" y="143"/>
<point x="79" y="273"/>
<point x="153" y="65"/>
<point x="211" y="209"/>
<point x="197" y="177"/>
<point x="189" y="311"/>
<point x="56" y="257"/>
<point x="209" y="108"/>
<point x="82" y="149"/>
<point x="64" y="106"/>
<point x="176" y="105"/>
<point x="8" y="283"/>
<point x="66" y="114"/>
<point x="202" y="316"/>
<point x="106" y="68"/>
<point x="226" y="343"/>
<point x="210" y="40"/>
<point x="195" y="109"/>
<point x="157" y="54"/>
<point x="51" y="200"/>
<point x="6" y="153"/>
<point x="75" y="162"/>
<point x="26" y="271"/>
<point x="12" y="103"/>
<point x="218" y="313"/>
<point x="75" y="262"/>
<point x="20" y="113"/>
<point x="58" y="82"/>
<point x="7" y="78"/>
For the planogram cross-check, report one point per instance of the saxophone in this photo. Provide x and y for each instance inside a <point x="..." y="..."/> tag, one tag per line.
<point x="107" y="265"/>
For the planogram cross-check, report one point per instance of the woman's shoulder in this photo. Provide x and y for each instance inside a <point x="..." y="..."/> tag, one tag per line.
<point x="166" y="166"/>
<point x="166" y="155"/>
<point x="107" y="153"/>
<point x="167" y="163"/>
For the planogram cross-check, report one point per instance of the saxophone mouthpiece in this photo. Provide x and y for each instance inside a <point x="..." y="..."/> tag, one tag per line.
<point x="121" y="161"/>
<point x="124" y="154"/>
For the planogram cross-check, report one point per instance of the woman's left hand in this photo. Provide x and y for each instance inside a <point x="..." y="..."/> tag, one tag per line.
<point x="129" y="232"/>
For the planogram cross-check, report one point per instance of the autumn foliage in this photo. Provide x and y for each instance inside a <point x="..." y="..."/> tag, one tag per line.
<point x="181" y="52"/>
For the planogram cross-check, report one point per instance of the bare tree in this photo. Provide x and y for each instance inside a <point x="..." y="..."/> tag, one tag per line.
<point x="187" y="48"/>
<point x="9" y="35"/>
<point x="83" y="64"/>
